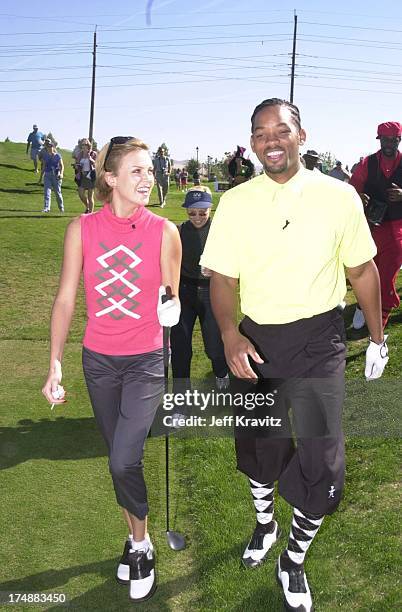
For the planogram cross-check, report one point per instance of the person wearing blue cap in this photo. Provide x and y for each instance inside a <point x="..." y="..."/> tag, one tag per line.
<point x="194" y="293"/>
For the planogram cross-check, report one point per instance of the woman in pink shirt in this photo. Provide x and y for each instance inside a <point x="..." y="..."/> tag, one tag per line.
<point x="128" y="255"/>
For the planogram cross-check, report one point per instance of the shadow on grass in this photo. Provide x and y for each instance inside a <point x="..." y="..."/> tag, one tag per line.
<point x="13" y="167"/>
<point x="41" y="216"/>
<point x="58" y="439"/>
<point x="20" y="190"/>
<point x="108" y="596"/>
<point x="112" y="596"/>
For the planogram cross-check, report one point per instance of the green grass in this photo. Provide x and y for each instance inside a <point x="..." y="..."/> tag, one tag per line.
<point x="60" y="527"/>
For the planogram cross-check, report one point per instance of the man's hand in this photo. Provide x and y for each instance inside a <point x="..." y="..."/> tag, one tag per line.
<point x="394" y="193"/>
<point x="376" y="359"/>
<point x="237" y="350"/>
<point x="364" y="198"/>
<point x="206" y="272"/>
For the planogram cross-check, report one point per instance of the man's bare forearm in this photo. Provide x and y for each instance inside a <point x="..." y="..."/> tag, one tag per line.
<point x="365" y="282"/>
<point x="223" y="290"/>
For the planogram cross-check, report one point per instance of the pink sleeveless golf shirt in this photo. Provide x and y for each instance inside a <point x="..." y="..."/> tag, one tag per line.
<point x="122" y="276"/>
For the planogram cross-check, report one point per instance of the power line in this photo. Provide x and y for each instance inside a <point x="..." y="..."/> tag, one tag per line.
<point x="147" y="29"/>
<point x="256" y="79"/>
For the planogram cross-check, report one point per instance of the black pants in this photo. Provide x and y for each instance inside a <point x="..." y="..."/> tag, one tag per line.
<point x="195" y="302"/>
<point x="125" y="392"/>
<point x="306" y="361"/>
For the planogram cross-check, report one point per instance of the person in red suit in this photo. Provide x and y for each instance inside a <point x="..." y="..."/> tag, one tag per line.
<point x="379" y="177"/>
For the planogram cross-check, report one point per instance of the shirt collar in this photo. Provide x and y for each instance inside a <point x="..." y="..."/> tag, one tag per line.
<point x="292" y="186"/>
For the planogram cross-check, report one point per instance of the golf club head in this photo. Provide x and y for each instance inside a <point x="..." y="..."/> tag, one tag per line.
<point x="175" y="540"/>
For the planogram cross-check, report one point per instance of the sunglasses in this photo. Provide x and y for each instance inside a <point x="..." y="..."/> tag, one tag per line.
<point x="119" y="140"/>
<point x="198" y="214"/>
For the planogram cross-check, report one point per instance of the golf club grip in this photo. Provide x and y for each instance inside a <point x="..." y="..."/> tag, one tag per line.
<point x="168" y="295"/>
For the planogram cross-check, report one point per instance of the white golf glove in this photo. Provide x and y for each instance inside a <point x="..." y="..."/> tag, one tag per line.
<point x="169" y="312"/>
<point x="376" y="359"/>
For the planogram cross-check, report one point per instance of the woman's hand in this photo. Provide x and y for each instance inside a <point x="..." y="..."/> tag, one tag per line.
<point x="168" y="310"/>
<point x="52" y="390"/>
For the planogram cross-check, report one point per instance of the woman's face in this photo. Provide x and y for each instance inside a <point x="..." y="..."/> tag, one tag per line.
<point x="135" y="178"/>
<point x="85" y="149"/>
<point x="198" y="216"/>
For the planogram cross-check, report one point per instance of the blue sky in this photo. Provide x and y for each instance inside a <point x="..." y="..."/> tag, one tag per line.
<point x="193" y="76"/>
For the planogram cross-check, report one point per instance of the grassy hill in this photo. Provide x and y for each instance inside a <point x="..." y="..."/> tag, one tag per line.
<point x="60" y="526"/>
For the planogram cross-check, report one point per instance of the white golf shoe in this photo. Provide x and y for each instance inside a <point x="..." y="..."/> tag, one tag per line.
<point x="142" y="574"/>
<point x="358" y="319"/>
<point x="260" y="544"/>
<point x="296" y="592"/>
<point x="123" y="569"/>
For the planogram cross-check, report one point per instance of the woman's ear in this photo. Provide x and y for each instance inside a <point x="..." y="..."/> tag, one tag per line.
<point x="110" y="179"/>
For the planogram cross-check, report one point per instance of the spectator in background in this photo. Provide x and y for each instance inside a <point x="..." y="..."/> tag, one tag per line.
<point x="378" y="177"/>
<point x="183" y="179"/>
<point x="77" y="150"/>
<point x="35" y="140"/>
<point x="339" y="173"/>
<point x="311" y="160"/>
<point x="85" y="174"/>
<point x="41" y="153"/>
<point x="194" y="294"/>
<point x="240" y="169"/>
<point x="177" y="178"/>
<point x="196" y="178"/>
<point x="356" y="164"/>
<point x="162" y="169"/>
<point x="53" y="170"/>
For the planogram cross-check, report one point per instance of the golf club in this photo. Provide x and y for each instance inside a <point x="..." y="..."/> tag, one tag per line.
<point x="175" y="540"/>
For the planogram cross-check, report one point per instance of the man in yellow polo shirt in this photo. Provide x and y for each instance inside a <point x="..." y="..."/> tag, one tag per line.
<point x="287" y="237"/>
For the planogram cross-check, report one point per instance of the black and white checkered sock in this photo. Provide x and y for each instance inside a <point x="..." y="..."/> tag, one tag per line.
<point x="302" y="532"/>
<point x="263" y="498"/>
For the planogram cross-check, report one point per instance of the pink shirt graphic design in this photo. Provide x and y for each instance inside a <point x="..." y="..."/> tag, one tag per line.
<point x="122" y="277"/>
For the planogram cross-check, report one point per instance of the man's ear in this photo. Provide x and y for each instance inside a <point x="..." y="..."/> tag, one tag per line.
<point x="302" y="137"/>
<point x="252" y="143"/>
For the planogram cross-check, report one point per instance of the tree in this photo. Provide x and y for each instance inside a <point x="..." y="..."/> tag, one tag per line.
<point x="328" y="161"/>
<point x="192" y="166"/>
<point x="221" y="167"/>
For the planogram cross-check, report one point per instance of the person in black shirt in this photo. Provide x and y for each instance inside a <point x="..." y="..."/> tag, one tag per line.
<point x="194" y="293"/>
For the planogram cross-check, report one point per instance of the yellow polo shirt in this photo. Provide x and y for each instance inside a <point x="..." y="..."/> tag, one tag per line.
<point x="288" y="244"/>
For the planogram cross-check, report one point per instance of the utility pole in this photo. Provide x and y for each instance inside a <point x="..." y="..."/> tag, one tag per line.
<point x="91" y="116"/>
<point x="196" y="148"/>
<point x="292" y="76"/>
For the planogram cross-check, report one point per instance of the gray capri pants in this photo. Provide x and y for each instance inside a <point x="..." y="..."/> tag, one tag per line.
<point x="125" y="391"/>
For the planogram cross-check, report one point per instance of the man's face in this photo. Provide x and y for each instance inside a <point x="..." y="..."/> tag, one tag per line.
<point x="311" y="162"/>
<point x="275" y="140"/>
<point x="389" y="145"/>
